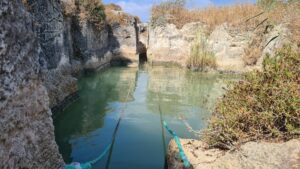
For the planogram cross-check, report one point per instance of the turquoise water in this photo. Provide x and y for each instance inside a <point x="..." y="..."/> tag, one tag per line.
<point x="86" y="127"/>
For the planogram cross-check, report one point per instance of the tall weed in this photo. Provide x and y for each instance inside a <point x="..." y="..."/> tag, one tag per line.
<point x="200" y="58"/>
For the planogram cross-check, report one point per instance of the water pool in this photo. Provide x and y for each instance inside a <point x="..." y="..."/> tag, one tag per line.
<point x="85" y="128"/>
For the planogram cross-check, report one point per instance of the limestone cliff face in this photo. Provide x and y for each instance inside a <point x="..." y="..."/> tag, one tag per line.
<point x="70" y="43"/>
<point x="27" y="132"/>
<point x="169" y="44"/>
<point x="235" y="50"/>
<point x="43" y="47"/>
<point x="56" y="48"/>
<point x="241" y="51"/>
<point x="124" y="40"/>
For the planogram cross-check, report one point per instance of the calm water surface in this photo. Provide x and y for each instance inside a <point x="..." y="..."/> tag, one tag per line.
<point x="86" y="127"/>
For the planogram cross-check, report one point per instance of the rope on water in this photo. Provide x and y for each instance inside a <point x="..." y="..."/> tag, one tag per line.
<point x="189" y="127"/>
<point x="163" y="137"/>
<point x="113" y="143"/>
<point x="101" y="155"/>
<point x="117" y="126"/>
<point x="182" y="155"/>
<point x="88" y="165"/>
<point x="109" y="148"/>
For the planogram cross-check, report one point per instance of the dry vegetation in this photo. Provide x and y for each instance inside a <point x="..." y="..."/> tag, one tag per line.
<point x="265" y="105"/>
<point x="112" y="6"/>
<point x="96" y="12"/>
<point x="69" y="7"/>
<point x="259" y="18"/>
<point x="115" y="15"/>
<point x="250" y="15"/>
<point x="93" y="11"/>
<point x="287" y="14"/>
<point x="177" y="14"/>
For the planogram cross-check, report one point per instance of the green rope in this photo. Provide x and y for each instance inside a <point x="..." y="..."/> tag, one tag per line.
<point x="88" y="165"/>
<point x="163" y="138"/>
<point x="101" y="155"/>
<point x="182" y="155"/>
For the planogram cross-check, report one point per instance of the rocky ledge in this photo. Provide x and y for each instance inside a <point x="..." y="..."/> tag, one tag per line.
<point x="251" y="155"/>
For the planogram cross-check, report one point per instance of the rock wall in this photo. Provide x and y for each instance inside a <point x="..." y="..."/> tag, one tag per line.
<point x="27" y="132"/>
<point x="71" y="43"/>
<point x="124" y="41"/>
<point x="169" y="44"/>
<point x="84" y="45"/>
<point x="235" y="49"/>
<point x="56" y="49"/>
<point x="91" y="44"/>
<point x="241" y="51"/>
<point x="43" y="47"/>
<point x="250" y="155"/>
<point x="49" y="28"/>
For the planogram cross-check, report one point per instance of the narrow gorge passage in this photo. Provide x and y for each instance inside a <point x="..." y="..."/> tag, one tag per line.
<point x="85" y="128"/>
<point x="143" y="58"/>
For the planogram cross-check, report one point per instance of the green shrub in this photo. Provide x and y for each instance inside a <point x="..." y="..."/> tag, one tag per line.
<point x="200" y="58"/>
<point x="265" y="105"/>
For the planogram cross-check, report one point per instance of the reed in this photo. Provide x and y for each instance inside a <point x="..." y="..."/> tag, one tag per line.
<point x="200" y="58"/>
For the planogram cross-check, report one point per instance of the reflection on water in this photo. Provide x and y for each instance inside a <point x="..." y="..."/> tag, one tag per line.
<point x="85" y="128"/>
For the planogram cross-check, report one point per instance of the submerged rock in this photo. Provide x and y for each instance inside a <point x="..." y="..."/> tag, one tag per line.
<point x="251" y="155"/>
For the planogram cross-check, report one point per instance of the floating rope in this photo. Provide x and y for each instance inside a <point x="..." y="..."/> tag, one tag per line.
<point x="189" y="127"/>
<point x="117" y="126"/>
<point x="163" y="137"/>
<point x="182" y="155"/>
<point x="88" y="165"/>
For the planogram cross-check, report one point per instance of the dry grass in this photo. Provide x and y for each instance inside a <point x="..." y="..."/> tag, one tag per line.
<point x="211" y="16"/>
<point x="92" y="11"/>
<point x="113" y="6"/>
<point x="287" y="14"/>
<point x="259" y="18"/>
<point x="248" y="15"/>
<point x="115" y="15"/>
<point x="68" y="7"/>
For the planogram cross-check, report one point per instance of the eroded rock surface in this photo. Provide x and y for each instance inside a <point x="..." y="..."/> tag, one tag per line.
<point x="169" y="44"/>
<point x="27" y="132"/>
<point x="235" y="49"/>
<point x="228" y="46"/>
<point x="124" y="40"/>
<point x="251" y="155"/>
